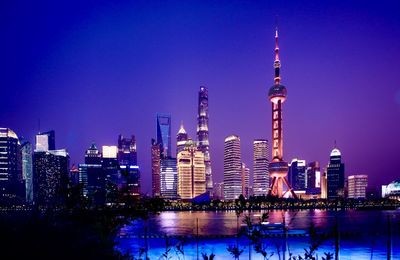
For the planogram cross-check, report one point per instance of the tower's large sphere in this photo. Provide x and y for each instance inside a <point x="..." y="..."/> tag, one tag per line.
<point x="277" y="92"/>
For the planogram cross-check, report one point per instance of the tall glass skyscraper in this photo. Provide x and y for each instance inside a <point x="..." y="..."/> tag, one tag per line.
<point x="164" y="134"/>
<point x="12" y="188"/>
<point x="297" y="174"/>
<point x="169" y="178"/>
<point x="313" y="175"/>
<point x="335" y="175"/>
<point x="155" y="168"/>
<point x="245" y="180"/>
<point x="260" y="167"/>
<point x="92" y="176"/>
<point x="51" y="170"/>
<point x="202" y="135"/>
<point x="232" y="168"/>
<point x="27" y="169"/>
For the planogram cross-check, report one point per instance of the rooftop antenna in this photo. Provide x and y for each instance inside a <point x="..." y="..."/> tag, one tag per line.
<point x="39" y="125"/>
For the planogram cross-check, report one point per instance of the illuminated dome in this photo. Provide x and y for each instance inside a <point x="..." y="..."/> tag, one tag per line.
<point x="277" y="91"/>
<point x="335" y="152"/>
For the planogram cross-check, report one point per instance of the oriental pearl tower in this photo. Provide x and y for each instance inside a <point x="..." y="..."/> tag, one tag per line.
<point x="278" y="168"/>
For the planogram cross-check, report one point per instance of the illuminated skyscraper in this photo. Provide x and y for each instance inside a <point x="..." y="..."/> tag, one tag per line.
<point x="202" y="135"/>
<point x="155" y="168"/>
<point x="191" y="172"/>
<point x="297" y="174"/>
<point x="245" y="180"/>
<point x="27" y="169"/>
<point x="12" y="188"/>
<point x="110" y="169"/>
<point x="260" y="167"/>
<point x="50" y="177"/>
<point x="127" y="150"/>
<point x="357" y="185"/>
<point x="232" y="168"/>
<point x="313" y="175"/>
<point x="45" y="141"/>
<point x="129" y="173"/>
<point x="335" y="175"/>
<point x="164" y="134"/>
<point x="92" y="177"/>
<point x="278" y="168"/>
<point x="181" y="139"/>
<point x="169" y="178"/>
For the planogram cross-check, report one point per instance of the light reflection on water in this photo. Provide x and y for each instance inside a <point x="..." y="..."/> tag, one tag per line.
<point x="361" y="231"/>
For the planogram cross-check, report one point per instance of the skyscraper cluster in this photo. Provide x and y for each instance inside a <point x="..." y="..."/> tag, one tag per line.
<point x="42" y="176"/>
<point x="187" y="174"/>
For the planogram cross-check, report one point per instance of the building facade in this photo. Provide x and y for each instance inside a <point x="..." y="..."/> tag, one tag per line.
<point x="297" y="174"/>
<point x="46" y="141"/>
<point x="50" y="182"/>
<point x="191" y="172"/>
<point x="232" y="168"/>
<point x="357" y="186"/>
<point x="245" y="172"/>
<point x="202" y="135"/>
<point x="127" y="150"/>
<point x="313" y="175"/>
<point x="260" y="167"/>
<point x="156" y="168"/>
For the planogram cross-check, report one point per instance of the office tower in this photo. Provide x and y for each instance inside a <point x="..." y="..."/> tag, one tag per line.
<point x="313" y="175"/>
<point x="335" y="175"/>
<point x="324" y="185"/>
<point x="12" y="187"/>
<point x="27" y="169"/>
<point x="164" y="134"/>
<point x="127" y="150"/>
<point x="45" y="141"/>
<point x="232" y="168"/>
<point x="245" y="172"/>
<point x="181" y="139"/>
<point x="357" y="185"/>
<point x="156" y="168"/>
<point x="50" y="177"/>
<point x="191" y="172"/>
<point x="129" y="173"/>
<point x="278" y="168"/>
<point x="218" y="190"/>
<point x="260" y="167"/>
<point x="110" y="168"/>
<point x="168" y="175"/>
<point x="92" y="176"/>
<point x="202" y="134"/>
<point x="297" y="174"/>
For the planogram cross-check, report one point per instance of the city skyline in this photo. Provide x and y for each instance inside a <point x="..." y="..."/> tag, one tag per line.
<point x="235" y="67"/>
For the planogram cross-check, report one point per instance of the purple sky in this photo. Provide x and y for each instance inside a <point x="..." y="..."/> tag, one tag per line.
<point x="93" y="70"/>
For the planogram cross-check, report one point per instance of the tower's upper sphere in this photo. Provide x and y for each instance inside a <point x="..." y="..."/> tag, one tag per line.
<point x="277" y="92"/>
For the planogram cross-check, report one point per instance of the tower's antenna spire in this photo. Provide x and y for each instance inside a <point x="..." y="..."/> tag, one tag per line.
<point x="277" y="62"/>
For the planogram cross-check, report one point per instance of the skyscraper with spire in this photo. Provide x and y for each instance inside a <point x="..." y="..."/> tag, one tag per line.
<point x="181" y="139"/>
<point x="278" y="168"/>
<point x="202" y="135"/>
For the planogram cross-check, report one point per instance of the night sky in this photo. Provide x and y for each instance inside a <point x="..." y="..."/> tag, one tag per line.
<point x="94" y="70"/>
